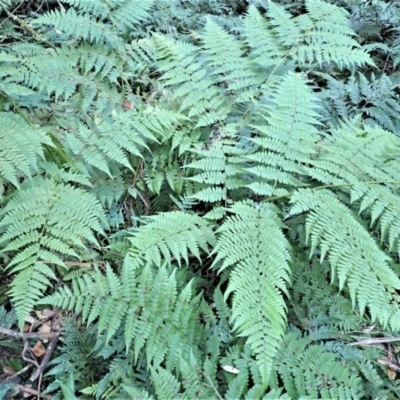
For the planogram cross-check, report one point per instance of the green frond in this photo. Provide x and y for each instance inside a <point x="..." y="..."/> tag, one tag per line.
<point x="21" y="147"/>
<point x="134" y="393"/>
<point x="80" y="26"/>
<point x="45" y="221"/>
<point x="384" y="206"/>
<point x="130" y="13"/>
<point x="354" y="256"/>
<point x="192" y="87"/>
<point x="147" y="305"/>
<point x="218" y="171"/>
<point x="165" y="383"/>
<point x="314" y="372"/>
<point x="267" y="51"/>
<point x="252" y="243"/>
<point x="224" y="56"/>
<point x="287" y="142"/>
<point x="375" y="97"/>
<point x="322" y="35"/>
<point x="175" y="234"/>
<point x="115" y="141"/>
<point x="356" y="153"/>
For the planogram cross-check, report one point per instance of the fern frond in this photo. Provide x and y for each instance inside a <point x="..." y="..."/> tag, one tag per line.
<point x="253" y="244"/>
<point x="218" y="170"/>
<point x="80" y="26"/>
<point x="45" y="221"/>
<point x="165" y="383"/>
<point x="267" y="51"/>
<point x="287" y="141"/>
<point x="374" y="97"/>
<point x="115" y="141"/>
<point x="322" y="35"/>
<point x="196" y="92"/>
<point x="354" y="256"/>
<point x="314" y="372"/>
<point x="383" y="206"/>
<point x="225" y="58"/>
<point x="147" y="306"/>
<point x="21" y="147"/>
<point x="174" y="234"/>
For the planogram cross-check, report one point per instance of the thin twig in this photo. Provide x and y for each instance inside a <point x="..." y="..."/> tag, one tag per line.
<point x="20" y="372"/>
<point x="70" y="263"/>
<point x="46" y="358"/>
<point x="29" y="335"/>
<point x="389" y="364"/>
<point x="32" y="391"/>
<point x="61" y="6"/>
<point x="212" y="385"/>
<point x="367" y="342"/>
<point x="29" y="360"/>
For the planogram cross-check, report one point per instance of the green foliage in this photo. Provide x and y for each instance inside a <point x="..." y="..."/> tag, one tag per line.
<point x="214" y="186"/>
<point x="42" y="223"/>
<point x="251" y="241"/>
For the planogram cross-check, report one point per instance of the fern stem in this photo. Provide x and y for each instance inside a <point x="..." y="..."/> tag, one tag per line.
<point x="213" y="386"/>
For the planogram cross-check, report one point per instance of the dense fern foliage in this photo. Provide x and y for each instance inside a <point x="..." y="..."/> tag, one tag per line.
<point x="206" y="194"/>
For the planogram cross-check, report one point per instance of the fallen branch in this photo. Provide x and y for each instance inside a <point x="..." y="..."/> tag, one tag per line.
<point x="32" y="391"/>
<point x="389" y="364"/>
<point x="367" y="342"/>
<point x="28" y="335"/>
<point x="46" y="358"/>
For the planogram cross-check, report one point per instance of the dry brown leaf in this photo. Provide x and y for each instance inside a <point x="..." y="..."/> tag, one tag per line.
<point x="391" y="374"/>
<point x="128" y="105"/>
<point x="38" y="349"/>
<point x="26" y="328"/>
<point x="8" y="370"/>
<point x="47" y="312"/>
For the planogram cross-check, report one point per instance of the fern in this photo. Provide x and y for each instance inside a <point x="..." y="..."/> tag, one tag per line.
<point x="259" y="278"/>
<point x="45" y="221"/>
<point x="20" y="152"/>
<point x="147" y="304"/>
<point x="170" y="235"/>
<point x="313" y="372"/>
<point x="287" y="139"/>
<point x="375" y="98"/>
<point x="254" y="124"/>
<point x="354" y="257"/>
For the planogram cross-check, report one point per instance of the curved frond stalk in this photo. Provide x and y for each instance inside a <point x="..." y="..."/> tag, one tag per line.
<point x="252" y="243"/>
